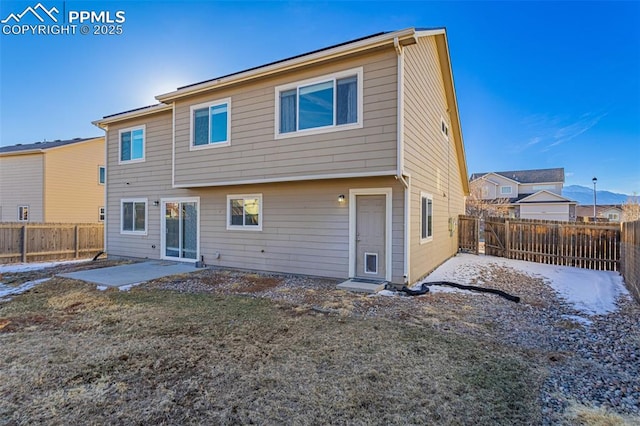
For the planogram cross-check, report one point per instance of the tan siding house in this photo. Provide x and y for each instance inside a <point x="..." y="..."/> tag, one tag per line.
<point x="55" y="182"/>
<point x="334" y="163"/>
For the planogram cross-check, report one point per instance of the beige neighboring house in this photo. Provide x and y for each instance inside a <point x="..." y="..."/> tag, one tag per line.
<point x="56" y="182"/>
<point x="607" y="213"/>
<point x="343" y="162"/>
<point x="529" y="194"/>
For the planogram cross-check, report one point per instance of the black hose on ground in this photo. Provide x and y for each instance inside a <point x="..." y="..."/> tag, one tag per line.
<point x="424" y="288"/>
<point x="97" y="256"/>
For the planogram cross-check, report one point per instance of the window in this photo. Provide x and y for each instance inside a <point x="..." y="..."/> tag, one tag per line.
<point x="101" y="214"/>
<point x="23" y="213"/>
<point x="244" y="212"/>
<point x="426" y="216"/>
<point x="134" y="216"/>
<point x="505" y="190"/>
<point x="132" y="144"/>
<point x="329" y="103"/>
<point x="613" y="216"/>
<point x="444" y="127"/>
<point x="102" y="175"/>
<point x="210" y="124"/>
<point x="541" y="187"/>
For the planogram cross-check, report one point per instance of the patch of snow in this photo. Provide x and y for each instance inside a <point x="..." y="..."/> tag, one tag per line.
<point x="578" y="319"/>
<point x="5" y="290"/>
<point x="447" y="289"/>
<point x="26" y="267"/>
<point x="591" y="292"/>
<point x="128" y="287"/>
<point x="102" y="287"/>
<point x="386" y="293"/>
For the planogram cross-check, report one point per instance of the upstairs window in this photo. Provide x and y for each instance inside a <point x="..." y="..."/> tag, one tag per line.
<point x="132" y="144"/>
<point x="329" y="103"/>
<point x="505" y="190"/>
<point x="102" y="175"/>
<point x="210" y="123"/>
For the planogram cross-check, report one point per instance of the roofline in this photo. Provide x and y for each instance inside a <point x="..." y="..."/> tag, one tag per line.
<point x="43" y="150"/>
<point x="359" y="45"/>
<point x="139" y="112"/>
<point x="568" y="200"/>
<point x="518" y="182"/>
<point x="445" y="63"/>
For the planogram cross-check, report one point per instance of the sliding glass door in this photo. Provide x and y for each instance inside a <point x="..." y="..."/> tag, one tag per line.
<point x="180" y="229"/>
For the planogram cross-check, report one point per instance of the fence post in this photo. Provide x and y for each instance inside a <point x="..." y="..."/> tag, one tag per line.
<point x="24" y="243"/>
<point x="477" y="232"/>
<point x="77" y="242"/>
<point x="507" y="240"/>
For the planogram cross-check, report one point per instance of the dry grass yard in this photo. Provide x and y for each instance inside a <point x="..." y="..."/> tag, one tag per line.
<point x="73" y="355"/>
<point x="230" y="347"/>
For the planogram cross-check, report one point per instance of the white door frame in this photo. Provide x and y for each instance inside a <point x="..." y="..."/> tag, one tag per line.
<point x="163" y="243"/>
<point x="387" y="192"/>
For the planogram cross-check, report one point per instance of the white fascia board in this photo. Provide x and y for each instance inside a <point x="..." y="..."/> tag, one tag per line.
<point x="132" y="114"/>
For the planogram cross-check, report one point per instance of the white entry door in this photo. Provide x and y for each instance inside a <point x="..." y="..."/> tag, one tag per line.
<point x="180" y="229"/>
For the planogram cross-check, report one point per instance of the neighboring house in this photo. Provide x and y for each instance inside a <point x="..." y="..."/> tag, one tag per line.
<point x="607" y="213"/>
<point x="343" y="162"/>
<point x="55" y="182"/>
<point x="529" y="194"/>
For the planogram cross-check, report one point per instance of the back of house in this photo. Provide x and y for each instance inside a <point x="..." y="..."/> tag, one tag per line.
<point x="343" y="162"/>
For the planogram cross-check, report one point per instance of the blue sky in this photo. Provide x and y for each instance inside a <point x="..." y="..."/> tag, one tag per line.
<point x="539" y="84"/>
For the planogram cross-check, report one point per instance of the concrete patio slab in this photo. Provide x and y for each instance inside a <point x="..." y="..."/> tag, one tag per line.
<point x="361" y="286"/>
<point x="135" y="273"/>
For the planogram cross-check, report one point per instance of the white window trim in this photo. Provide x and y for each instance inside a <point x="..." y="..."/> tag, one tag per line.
<point x="20" y="219"/>
<point x="146" y="215"/>
<point x="105" y="175"/>
<point x="325" y="129"/>
<point x="244" y="227"/>
<point x="429" y="238"/>
<point x="144" y="144"/>
<point x="208" y="105"/>
<point x="506" y="193"/>
<point x="102" y="212"/>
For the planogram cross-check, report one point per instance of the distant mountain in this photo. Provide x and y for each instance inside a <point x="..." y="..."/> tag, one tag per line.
<point x="584" y="195"/>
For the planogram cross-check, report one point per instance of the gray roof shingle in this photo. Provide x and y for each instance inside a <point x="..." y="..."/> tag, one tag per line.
<point x="40" y="145"/>
<point x="529" y="176"/>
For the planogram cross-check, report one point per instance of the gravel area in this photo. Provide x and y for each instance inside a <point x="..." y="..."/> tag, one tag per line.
<point x="593" y="361"/>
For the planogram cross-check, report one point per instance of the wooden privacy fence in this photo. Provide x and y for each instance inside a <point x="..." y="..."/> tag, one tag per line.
<point x="20" y="242"/>
<point x="468" y="234"/>
<point x="583" y="245"/>
<point x="630" y="257"/>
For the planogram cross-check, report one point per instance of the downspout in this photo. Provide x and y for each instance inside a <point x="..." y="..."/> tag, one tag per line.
<point x="106" y="187"/>
<point x="400" y="157"/>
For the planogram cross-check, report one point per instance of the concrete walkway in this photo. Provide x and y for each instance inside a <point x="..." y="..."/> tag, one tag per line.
<point x="135" y="273"/>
